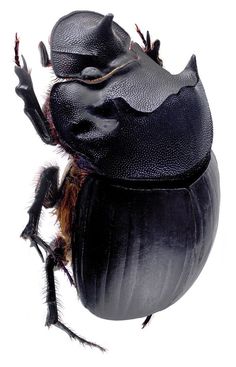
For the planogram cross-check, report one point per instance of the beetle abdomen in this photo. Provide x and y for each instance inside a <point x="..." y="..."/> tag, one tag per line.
<point x="136" y="251"/>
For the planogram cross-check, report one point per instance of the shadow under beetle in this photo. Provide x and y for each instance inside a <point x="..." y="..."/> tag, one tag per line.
<point x="138" y="205"/>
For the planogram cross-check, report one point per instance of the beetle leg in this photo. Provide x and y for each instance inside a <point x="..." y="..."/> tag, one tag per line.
<point x="16" y="49"/>
<point x="59" y="252"/>
<point x="51" y="300"/>
<point x="45" y="61"/>
<point x="152" y="50"/>
<point x="47" y="194"/>
<point x="32" y="108"/>
<point x="141" y="35"/>
<point x="146" y="321"/>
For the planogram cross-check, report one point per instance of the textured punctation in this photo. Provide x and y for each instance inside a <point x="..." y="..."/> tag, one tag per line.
<point x="138" y="204"/>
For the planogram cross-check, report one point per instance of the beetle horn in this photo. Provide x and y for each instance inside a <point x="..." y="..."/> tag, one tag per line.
<point x="105" y="25"/>
<point x="106" y="32"/>
<point x="192" y="66"/>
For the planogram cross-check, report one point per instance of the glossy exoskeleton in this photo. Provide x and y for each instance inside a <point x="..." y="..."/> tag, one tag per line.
<point x="138" y="205"/>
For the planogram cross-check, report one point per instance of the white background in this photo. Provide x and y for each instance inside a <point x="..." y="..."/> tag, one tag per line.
<point x="199" y="330"/>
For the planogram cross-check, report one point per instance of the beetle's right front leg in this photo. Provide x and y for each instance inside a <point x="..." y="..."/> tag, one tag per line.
<point x="46" y="194"/>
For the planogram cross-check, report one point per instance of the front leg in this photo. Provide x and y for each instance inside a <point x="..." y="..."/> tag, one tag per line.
<point x="46" y="194"/>
<point x="32" y="108"/>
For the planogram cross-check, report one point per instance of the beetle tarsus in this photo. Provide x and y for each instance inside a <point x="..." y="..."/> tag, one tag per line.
<point x="16" y="50"/>
<point x="51" y="300"/>
<point x="141" y="35"/>
<point x="75" y="336"/>
<point x="148" y="41"/>
<point x="146" y="321"/>
<point x="40" y="242"/>
<point x="28" y="234"/>
<point x="34" y="244"/>
<point x="152" y="50"/>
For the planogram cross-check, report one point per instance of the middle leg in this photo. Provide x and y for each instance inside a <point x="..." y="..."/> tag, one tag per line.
<point x="46" y="194"/>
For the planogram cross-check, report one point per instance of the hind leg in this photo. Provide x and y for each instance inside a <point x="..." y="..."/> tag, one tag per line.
<point x="146" y="321"/>
<point x="51" y="300"/>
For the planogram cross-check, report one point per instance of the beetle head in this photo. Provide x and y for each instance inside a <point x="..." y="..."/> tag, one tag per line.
<point x="86" y="39"/>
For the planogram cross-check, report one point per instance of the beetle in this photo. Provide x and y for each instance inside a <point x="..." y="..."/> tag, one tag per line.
<point x="138" y="205"/>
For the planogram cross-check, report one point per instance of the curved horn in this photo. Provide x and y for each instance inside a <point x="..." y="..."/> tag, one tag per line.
<point x="105" y="25"/>
<point x="192" y="65"/>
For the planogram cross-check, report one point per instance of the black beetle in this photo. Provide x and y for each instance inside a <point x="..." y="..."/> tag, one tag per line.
<point x="138" y="205"/>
